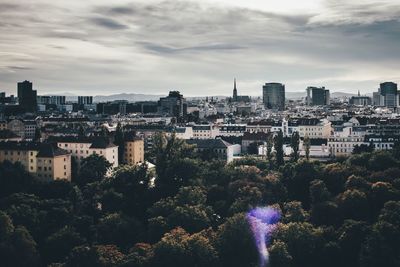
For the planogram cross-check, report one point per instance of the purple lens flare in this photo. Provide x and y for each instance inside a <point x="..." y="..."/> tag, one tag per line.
<point x="262" y="223"/>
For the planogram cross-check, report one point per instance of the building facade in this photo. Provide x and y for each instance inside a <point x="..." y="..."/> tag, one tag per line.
<point x="274" y="96"/>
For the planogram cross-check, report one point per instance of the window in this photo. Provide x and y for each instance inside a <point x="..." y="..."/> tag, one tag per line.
<point x="45" y="168"/>
<point x="65" y="167"/>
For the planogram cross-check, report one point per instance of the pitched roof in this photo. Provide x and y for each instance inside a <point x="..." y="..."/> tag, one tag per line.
<point x="255" y="136"/>
<point x="50" y="151"/>
<point x="209" y="143"/>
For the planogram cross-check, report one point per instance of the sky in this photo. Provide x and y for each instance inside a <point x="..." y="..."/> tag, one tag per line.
<point x="102" y="47"/>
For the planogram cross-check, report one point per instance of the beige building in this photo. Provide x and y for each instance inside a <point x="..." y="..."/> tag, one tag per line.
<point x="133" y="151"/>
<point x="81" y="148"/>
<point x="315" y="129"/>
<point x="42" y="160"/>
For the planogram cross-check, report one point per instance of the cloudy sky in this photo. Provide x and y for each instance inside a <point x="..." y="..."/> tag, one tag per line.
<point x="198" y="46"/>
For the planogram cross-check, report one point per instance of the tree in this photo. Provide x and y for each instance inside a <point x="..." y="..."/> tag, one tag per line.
<point x="132" y="184"/>
<point x="100" y="255"/>
<point x="236" y="244"/>
<point x="38" y="135"/>
<point x="253" y="148"/>
<point x="14" y="179"/>
<point x="278" y="145"/>
<point x="120" y="230"/>
<point x="353" y="204"/>
<point x="81" y="131"/>
<point x="396" y="150"/>
<point x="381" y="160"/>
<point x="307" y="146"/>
<point x="119" y="140"/>
<point x="279" y="255"/>
<point x="270" y="144"/>
<point x="93" y="169"/>
<point x="363" y="148"/>
<point x="59" y="244"/>
<point x="294" y="143"/>
<point x="381" y="247"/>
<point x="17" y="247"/>
<point x="319" y="192"/>
<point x="178" y="248"/>
<point x="169" y="154"/>
<point x="302" y="241"/>
<point x="294" y="212"/>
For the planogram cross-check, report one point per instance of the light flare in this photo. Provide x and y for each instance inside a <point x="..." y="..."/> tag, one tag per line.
<point x="263" y="222"/>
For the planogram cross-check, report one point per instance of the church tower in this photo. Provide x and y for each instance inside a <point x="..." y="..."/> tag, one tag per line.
<point x="235" y="95"/>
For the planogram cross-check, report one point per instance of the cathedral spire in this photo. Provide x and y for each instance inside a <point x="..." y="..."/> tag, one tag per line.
<point x="235" y="96"/>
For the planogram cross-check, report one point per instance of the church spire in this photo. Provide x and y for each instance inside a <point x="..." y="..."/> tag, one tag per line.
<point x="234" y="91"/>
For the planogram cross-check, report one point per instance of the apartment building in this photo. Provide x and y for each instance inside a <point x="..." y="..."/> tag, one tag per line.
<point x="133" y="150"/>
<point x="83" y="147"/>
<point x="42" y="160"/>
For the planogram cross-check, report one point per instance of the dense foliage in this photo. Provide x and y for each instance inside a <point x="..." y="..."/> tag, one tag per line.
<point x="339" y="213"/>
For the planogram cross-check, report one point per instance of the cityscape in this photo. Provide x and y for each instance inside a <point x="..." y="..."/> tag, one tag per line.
<point x="199" y="133"/>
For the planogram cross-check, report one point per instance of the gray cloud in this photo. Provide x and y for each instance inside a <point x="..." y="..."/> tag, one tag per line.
<point x="108" y="23"/>
<point x="196" y="47"/>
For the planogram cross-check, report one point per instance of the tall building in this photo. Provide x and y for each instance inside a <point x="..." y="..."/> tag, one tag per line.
<point x="274" y="96"/>
<point x="360" y="100"/>
<point x="317" y="96"/>
<point x="85" y="100"/>
<point x="173" y="105"/>
<point x="27" y="96"/>
<point x="388" y="90"/>
<point x="235" y="93"/>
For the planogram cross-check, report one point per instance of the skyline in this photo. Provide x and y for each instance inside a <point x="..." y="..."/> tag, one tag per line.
<point x="151" y="47"/>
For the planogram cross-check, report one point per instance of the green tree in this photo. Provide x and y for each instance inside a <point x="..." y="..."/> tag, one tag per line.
<point x="279" y="255"/>
<point x="168" y="155"/>
<point x="38" y="135"/>
<point x="353" y="204"/>
<point x="278" y="145"/>
<point x="119" y="140"/>
<point x="17" y="247"/>
<point x="294" y="143"/>
<point x="270" y="145"/>
<point x="58" y="245"/>
<point x="302" y="241"/>
<point x="93" y="169"/>
<point x="307" y="146"/>
<point x="81" y="131"/>
<point x="178" y="248"/>
<point x="363" y="148"/>
<point x="236" y="244"/>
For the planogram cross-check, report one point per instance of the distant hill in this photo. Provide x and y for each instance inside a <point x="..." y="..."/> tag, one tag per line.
<point x="129" y="97"/>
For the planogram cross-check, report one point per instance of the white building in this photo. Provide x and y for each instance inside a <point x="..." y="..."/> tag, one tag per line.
<point x="81" y="148"/>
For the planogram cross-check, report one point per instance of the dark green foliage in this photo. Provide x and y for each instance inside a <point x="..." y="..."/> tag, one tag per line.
<point x="191" y="212"/>
<point x="278" y="145"/>
<point x="119" y="140"/>
<point x="93" y="169"/>
<point x="294" y="143"/>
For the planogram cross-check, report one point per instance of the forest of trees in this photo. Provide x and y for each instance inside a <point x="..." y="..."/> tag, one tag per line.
<point x="345" y="212"/>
